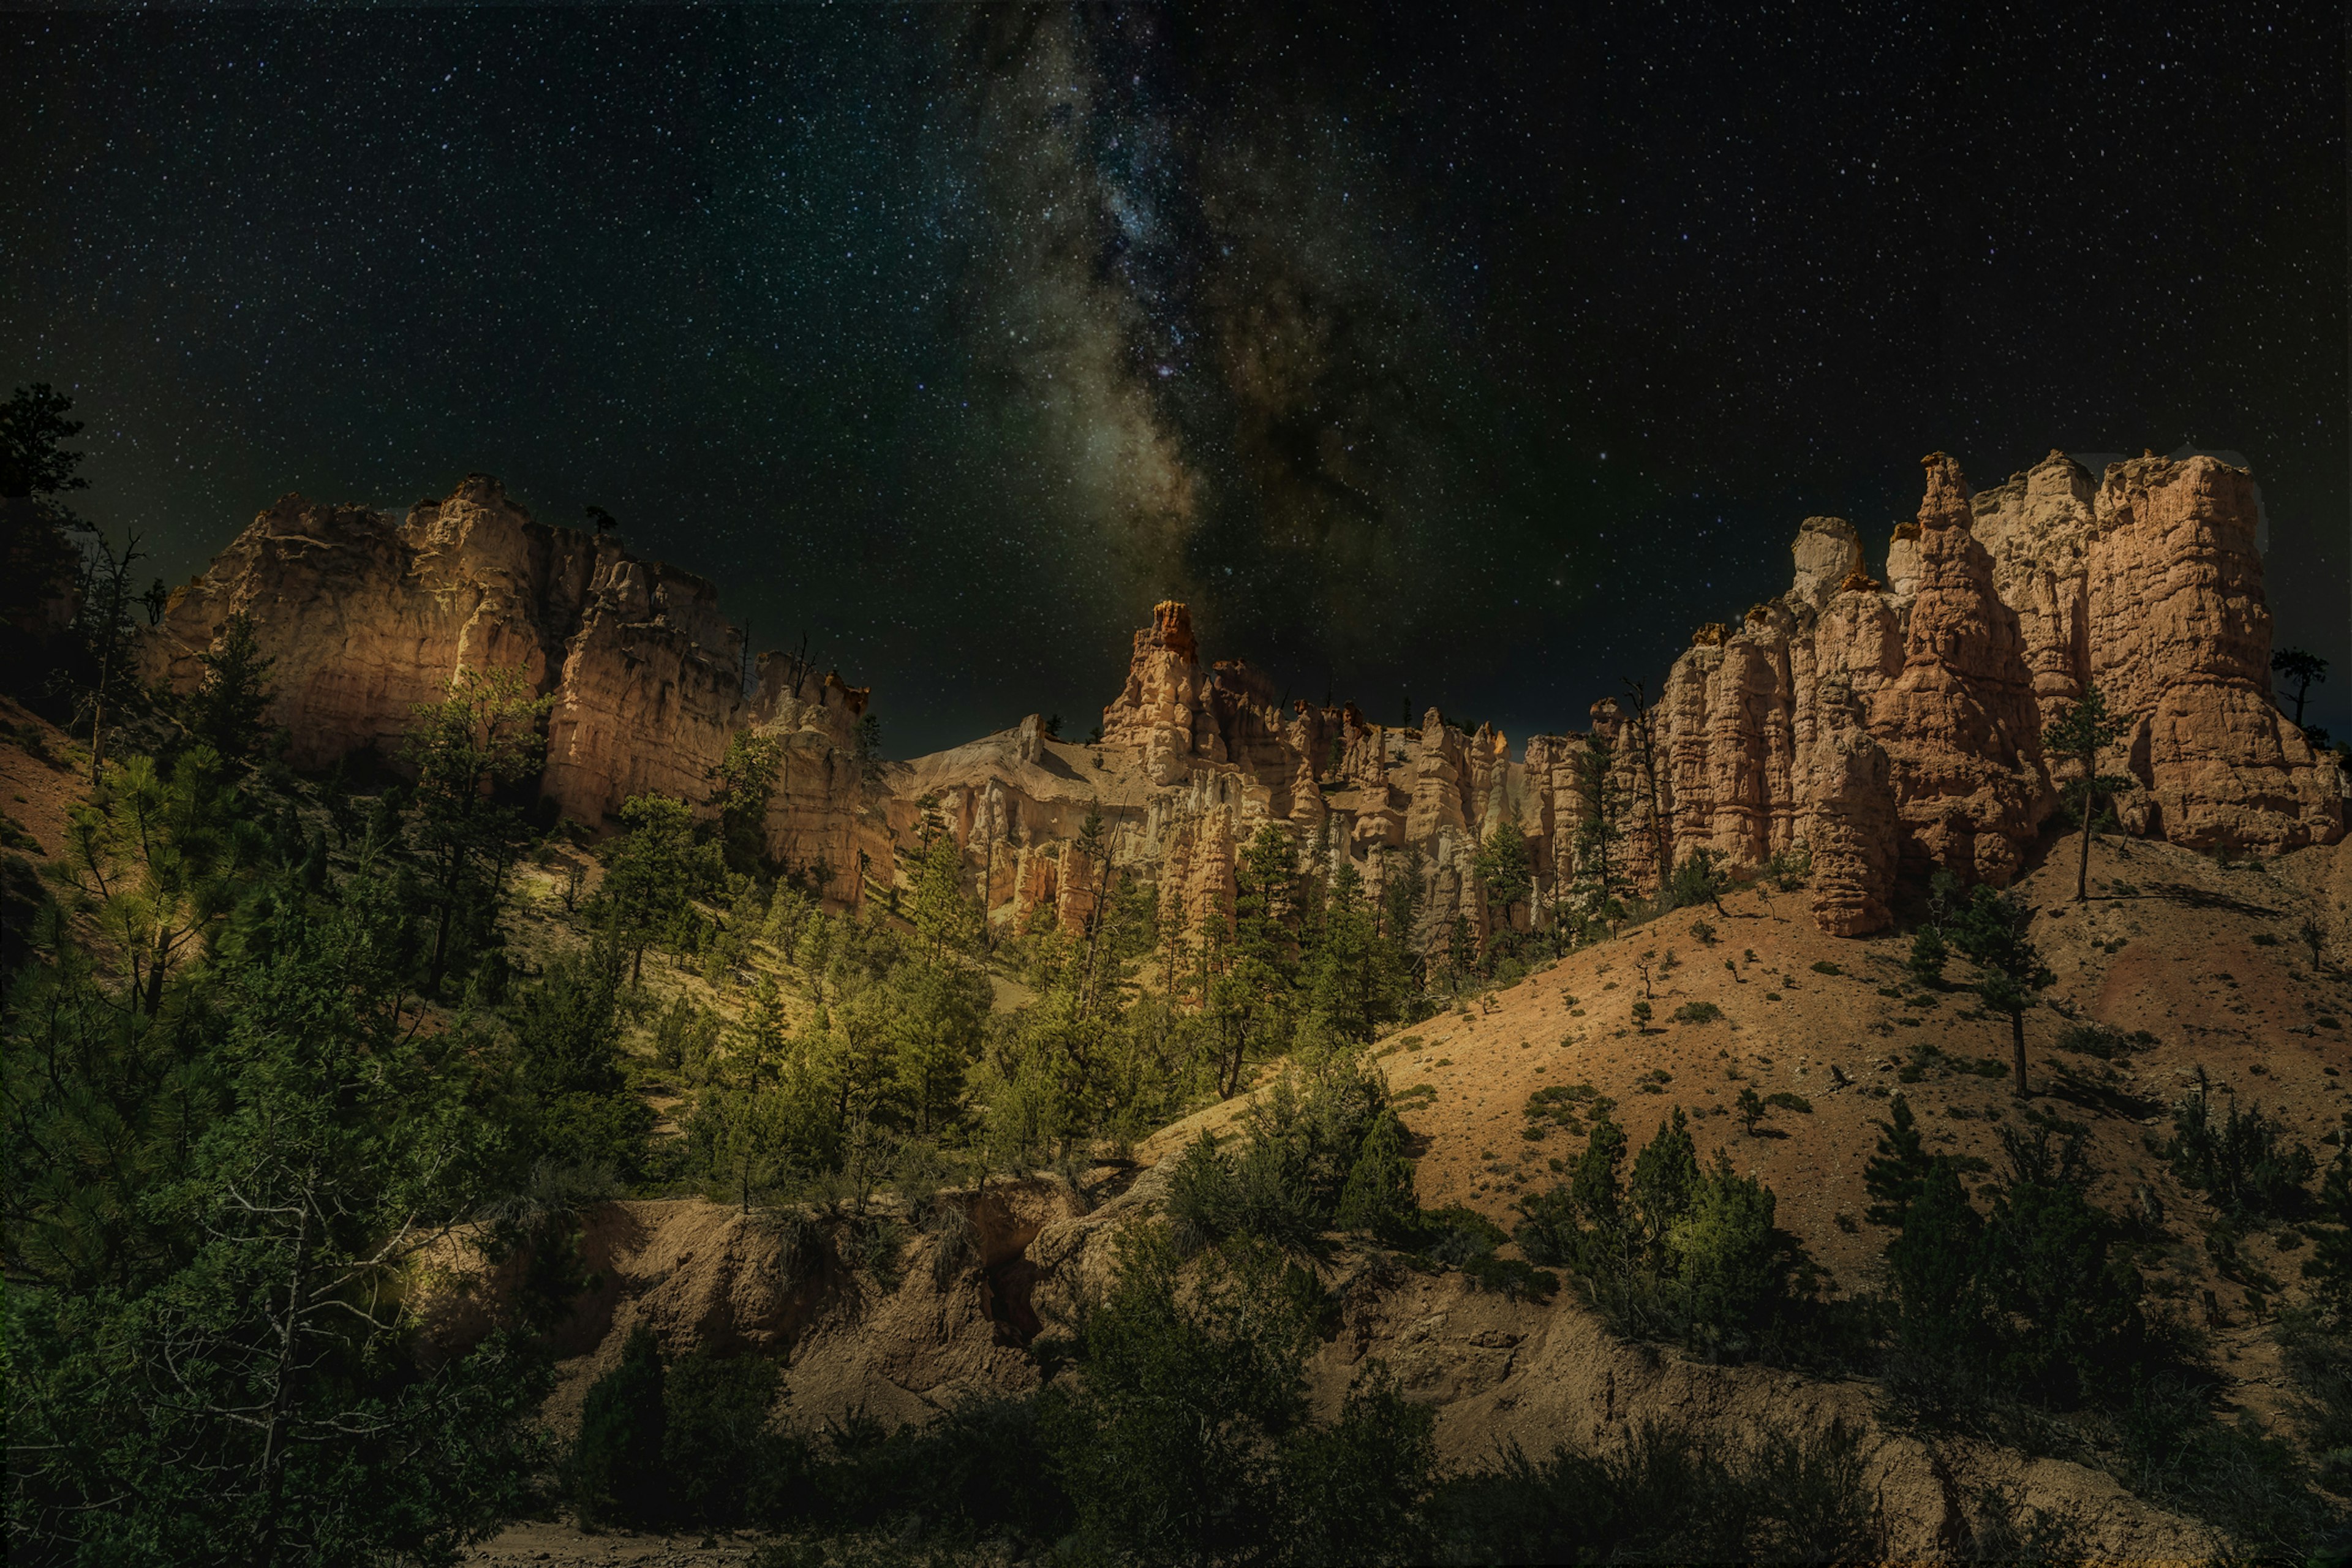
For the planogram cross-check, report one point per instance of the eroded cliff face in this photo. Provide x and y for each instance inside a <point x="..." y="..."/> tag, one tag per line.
<point x="369" y="616"/>
<point x="1889" y="729"/>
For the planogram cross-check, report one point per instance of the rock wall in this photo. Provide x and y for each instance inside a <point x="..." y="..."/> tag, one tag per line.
<point x="1889" y="729"/>
<point x="369" y="616"/>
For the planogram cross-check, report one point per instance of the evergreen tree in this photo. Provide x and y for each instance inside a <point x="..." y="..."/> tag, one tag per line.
<point x="615" y="1471"/>
<point x="2304" y="668"/>
<point x="2329" y="1268"/>
<point x="652" y="874"/>
<point x="482" y="737"/>
<point x="241" y="1390"/>
<point x="745" y="781"/>
<point x="1934" y="1262"/>
<point x="1893" y="1176"/>
<point x="1990" y="929"/>
<point x="1503" y="866"/>
<point x="1379" y="1198"/>
<point x="1599" y="830"/>
<point x="226" y="712"/>
<point x="2079" y="734"/>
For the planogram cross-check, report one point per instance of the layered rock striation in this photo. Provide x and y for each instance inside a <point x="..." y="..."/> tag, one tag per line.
<point x="1883" y="728"/>
<point x="369" y="616"/>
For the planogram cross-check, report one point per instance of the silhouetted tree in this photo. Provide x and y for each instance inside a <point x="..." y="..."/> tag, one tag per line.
<point x="2303" y="667"/>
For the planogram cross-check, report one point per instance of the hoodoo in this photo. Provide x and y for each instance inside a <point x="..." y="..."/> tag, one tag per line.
<point x="1886" y="730"/>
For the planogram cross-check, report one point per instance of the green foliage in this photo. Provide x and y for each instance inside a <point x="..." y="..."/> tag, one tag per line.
<point x="944" y="918"/>
<point x="225" y="711"/>
<point x="311" y="1154"/>
<point x="1504" y="865"/>
<point x="1377" y="1198"/>
<point x="1892" y="1177"/>
<point x="1990" y="929"/>
<point x="1188" y="1438"/>
<point x="2029" y="1296"/>
<point x="1928" y="955"/>
<point x="651" y="874"/>
<point x="2246" y="1163"/>
<point x="1703" y="877"/>
<point x="1687" y="1250"/>
<point x="613" y="1472"/>
<point x="1666" y="1495"/>
<point x="719" y="1449"/>
<point x="575" y="1102"/>
<point x="744" y="782"/>
<point x="2329" y="1268"/>
<point x="1302" y="1143"/>
<point x="1697" y="1013"/>
<point x="480" y="740"/>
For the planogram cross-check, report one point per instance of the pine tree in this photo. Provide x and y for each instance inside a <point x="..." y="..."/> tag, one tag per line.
<point x="1503" y="866"/>
<point x="481" y="738"/>
<point x="1379" y="1197"/>
<point x="1893" y="1176"/>
<point x="226" y="712"/>
<point x="1990" y="929"/>
<point x="2079" y="734"/>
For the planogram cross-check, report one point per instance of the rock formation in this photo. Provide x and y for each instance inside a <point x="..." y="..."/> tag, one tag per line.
<point x="1886" y="730"/>
<point x="368" y="616"/>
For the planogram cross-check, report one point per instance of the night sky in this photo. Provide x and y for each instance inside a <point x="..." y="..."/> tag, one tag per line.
<point x="1458" y="354"/>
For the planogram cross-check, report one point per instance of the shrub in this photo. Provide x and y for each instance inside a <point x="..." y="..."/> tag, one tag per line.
<point x="1379" y="1198"/>
<point x="1787" y="1101"/>
<point x="1928" y="955"/>
<point x="1188" y="1437"/>
<point x="1686" y="1250"/>
<point x="1697" y="1013"/>
<point x="1823" y="966"/>
<point x="615" y="1471"/>
<point x="2246" y="1164"/>
<point x="716" y="1440"/>
<point x="2099" y="1040"/>
<point x="1666" y="1495"/>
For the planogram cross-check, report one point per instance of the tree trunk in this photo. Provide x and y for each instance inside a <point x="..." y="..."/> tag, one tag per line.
<point x="281" y="1405"/>
<point x="2017" y="1038"/>
<point x="2083" y="866"/>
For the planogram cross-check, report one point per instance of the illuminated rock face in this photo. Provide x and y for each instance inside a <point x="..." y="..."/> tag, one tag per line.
<point x="1888" y="730"/>
<point x="369" y="616"/>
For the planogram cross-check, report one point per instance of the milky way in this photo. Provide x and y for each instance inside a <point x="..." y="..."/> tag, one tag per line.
<point x="1457" y="358"/>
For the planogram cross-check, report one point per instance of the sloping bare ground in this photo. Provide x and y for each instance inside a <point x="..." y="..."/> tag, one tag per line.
<point x="2169" y="945"/>
<point x="38" y="791"/>
<point x="1497" y="1372"/>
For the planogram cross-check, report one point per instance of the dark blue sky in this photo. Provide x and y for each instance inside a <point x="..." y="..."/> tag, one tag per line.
<point x="1457" y="353"/>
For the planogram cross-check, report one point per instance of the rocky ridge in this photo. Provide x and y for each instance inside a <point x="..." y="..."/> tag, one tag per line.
<point x="368" y="616"/>
<point x="1889" y="727"/>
